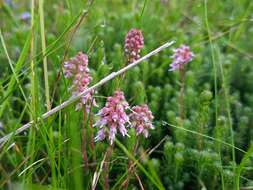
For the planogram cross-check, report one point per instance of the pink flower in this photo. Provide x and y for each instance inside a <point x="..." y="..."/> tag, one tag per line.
<point x="77" y="69"/>
<point x="134" y="42"/>
<point x="141" y="119"/>
<point x="113" y="117"/>
<point x="100" y="135"/>
<point x="75" y="65"/>
<point x="181" y="57"/>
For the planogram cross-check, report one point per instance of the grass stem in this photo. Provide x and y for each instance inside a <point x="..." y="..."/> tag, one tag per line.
<point x="43" y="45"/>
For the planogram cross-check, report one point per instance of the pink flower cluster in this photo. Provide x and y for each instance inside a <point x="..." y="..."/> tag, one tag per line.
<point x="77" y="65"/>
<point x="113" y="117"/>
<point x="181" y="57"/>
<point x="134" y="42"/>
<point x="77" y="69"/>
<point x="141" y="119"/>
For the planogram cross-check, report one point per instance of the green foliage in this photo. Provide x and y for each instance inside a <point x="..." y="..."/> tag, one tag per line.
<point x="211" y="150"/>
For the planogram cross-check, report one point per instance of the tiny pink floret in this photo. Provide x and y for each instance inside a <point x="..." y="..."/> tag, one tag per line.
<point x="134" y="42"/>
<point x="181" y="57"/>
<point x="113" y="117"/>
<point x="141" y="119"/>
<point x="77" y="69"/>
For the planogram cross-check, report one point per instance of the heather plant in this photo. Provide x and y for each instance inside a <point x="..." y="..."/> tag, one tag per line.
<point x="77" y="68"/>
<point x="114" y="117"/>
<point x="134" y="42"/>
<point x="177" y="118"/>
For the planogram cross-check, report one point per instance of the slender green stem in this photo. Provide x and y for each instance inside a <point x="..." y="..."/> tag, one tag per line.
<point x="91" y="134"/>
<point x="215" y="79"/>
<point x="241" y="166"/>
<point x="218" y="136"/>
<point x="12" y="68"/>
<point x="43" y="44"/>
<point x="214" y="66"/>
<point x="31" y="139"/>
<point x="33" y="89"/>
<point x="206" y="136"/>
<point x="228" y="109"/>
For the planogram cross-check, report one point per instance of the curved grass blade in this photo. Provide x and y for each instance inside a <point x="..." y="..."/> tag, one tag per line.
<point x="206" y="136"/>
<point x="155" y="181"/>
<point x="17" y="69"/>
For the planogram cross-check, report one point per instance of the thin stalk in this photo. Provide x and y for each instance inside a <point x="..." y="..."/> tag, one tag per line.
<point x="181" y="95"/>
<point x="60" y="149"/>
<point x="32" y="64"/>
<point x="139" y="180"/>
<point x="215" y="84"/>
<point x="92" y="144"/>
<point x="244" y="161"/>
<point x="221" y="172"/>
<point x="84" y="144"/>
<point x="97" y="174"/>
<point x="43" y="44"/>
<point x="107" y="167"/>
<point x="228" y="110"/>
<point x="206" y="136"/>
<point x="12" y="68"/>
<point x="130" y="164"/>
<point x="149" y="175"/>
<point x="31" y="138"/>
<point x="122" y="76"/>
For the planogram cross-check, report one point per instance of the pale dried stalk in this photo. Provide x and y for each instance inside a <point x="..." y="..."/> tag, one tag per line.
<point x="77" y="97"/>
<point x="139" y="180"/>
<point x="97" y="174"/>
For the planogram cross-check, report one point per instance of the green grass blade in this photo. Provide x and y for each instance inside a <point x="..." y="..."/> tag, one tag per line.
<point x="17" y="70"/>
<point x="241" y="166"/>
<point x="43" y="45"/>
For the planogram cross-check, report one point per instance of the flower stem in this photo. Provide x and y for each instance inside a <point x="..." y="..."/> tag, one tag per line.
<point x="106" y="167"/>
<point x="84" y="138"/>
<point x="131" y="165"/>
<point x="43" y="45"/>
<point x="92" y="145"/>
<point x="181" y="95"/>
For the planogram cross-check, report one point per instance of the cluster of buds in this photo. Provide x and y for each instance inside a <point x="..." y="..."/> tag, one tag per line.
<point x="113" y="117"/>
<point x="141" y="119"/>
<point x="77" y="69"/>
<point x="181" y="57"/>
<point x="134" y="42"/>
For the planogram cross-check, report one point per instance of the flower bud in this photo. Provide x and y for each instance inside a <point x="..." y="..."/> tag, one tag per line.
<point x="134" y="42"/>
